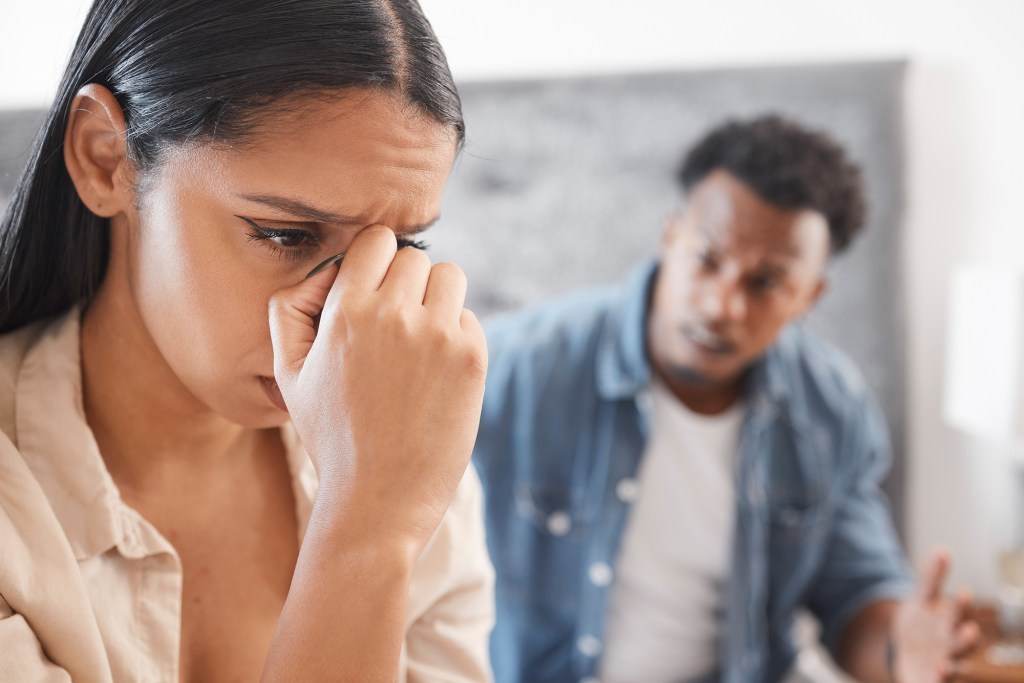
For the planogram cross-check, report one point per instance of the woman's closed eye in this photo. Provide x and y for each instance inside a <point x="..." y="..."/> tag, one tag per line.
<point x="295" y="243"/>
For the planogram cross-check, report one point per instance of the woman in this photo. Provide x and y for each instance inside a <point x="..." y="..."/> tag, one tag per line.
<point x="159" y="517"/>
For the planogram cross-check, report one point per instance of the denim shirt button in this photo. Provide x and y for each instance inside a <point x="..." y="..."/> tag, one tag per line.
<point x="627" y="490"/>
<point x="559" y="523"/>
<point x="600" y="574"/>
<point x="589" y="646"/>
<point x="789" y="516"/>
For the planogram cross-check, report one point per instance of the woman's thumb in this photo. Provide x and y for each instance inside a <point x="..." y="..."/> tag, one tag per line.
<point x="293" y="322"/>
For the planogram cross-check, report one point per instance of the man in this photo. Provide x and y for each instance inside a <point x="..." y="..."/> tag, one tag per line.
<point x="674" y="466"/>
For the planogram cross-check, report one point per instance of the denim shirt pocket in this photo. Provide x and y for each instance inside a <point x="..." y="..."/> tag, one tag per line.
<point x="545" y="546"/>
<point x="798" y="532"/>
<point x="796" y="523"/>
<point x="798" y="511"/>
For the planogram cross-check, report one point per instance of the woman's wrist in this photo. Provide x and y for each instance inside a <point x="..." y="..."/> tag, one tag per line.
<point x="362" y="537"/>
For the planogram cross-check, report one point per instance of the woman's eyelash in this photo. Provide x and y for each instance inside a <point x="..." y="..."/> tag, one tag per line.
<point x="278" y="233"/>
<point x="260" y="232"/>
<point x="415" y="244"/>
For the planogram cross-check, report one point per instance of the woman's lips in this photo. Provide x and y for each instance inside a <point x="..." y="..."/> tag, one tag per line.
<point x="273" y="392"/>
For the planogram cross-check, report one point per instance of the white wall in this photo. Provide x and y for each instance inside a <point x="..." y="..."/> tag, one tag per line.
<point x="35" y="41"/>
<point x="965" y="125"/>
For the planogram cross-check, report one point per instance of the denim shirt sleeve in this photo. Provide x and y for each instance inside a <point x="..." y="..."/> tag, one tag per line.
<point x="864" y="561"/>
<point x="495" y="427"/>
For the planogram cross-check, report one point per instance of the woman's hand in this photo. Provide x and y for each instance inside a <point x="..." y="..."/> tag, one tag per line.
<point x="382" y="370"/>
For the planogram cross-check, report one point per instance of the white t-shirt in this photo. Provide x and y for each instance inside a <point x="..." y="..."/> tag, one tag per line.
<point x="665" y="617"/>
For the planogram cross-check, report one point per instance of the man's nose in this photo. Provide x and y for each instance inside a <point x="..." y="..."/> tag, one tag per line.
<point x="724" y="300"/>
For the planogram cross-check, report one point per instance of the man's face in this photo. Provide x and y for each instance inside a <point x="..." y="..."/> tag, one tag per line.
<point x="735" y="270"/>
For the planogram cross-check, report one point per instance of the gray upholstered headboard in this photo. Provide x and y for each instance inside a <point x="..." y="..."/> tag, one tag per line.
<point x="564" y="183"/>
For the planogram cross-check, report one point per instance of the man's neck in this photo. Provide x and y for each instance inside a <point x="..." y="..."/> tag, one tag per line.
<point x="704" y="398"/>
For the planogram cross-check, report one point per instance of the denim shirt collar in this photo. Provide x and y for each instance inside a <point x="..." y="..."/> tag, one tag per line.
<point x="624" y="368"/>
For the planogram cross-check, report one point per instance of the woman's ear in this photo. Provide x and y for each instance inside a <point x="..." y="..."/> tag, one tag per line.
<point x="96" y="152"/>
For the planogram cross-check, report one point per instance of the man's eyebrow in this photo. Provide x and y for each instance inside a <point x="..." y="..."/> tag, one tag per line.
<point x="295" y="207"/>
<point x="773" y="268"/>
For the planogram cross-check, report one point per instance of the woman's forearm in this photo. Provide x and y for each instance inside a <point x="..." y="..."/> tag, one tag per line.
<point x="344" y="619"/>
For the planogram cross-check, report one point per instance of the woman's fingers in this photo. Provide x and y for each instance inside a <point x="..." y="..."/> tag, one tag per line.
<point x="367" y="260"/>
<point x="389" y="395"/>
<point x="293" y="327"/>
<point x="407" y="277"/>
<point x="445" y="293"/>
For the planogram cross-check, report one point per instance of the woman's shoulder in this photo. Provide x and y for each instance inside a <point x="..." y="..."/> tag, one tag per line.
<point x="16" y="343"/>
<point x="451" y="598"/>
<point x="43" y="603"/>
<point x="14" y="346"/>
<point x="456" y="556"/>
<point x="45" y="613"/>
<point x="18" y="482"/>
<point x="461" y="529"/>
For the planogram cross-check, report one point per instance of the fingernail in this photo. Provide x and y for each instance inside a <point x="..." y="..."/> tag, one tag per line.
<point x="325" y="264"/>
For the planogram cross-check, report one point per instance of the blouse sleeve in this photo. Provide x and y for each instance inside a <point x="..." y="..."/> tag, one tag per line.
<point x="47" y="627"/>
<point x="452" y="598"/>
<point x="21" y="654"/>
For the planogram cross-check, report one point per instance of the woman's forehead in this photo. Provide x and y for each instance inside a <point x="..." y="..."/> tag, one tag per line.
<point x="343" y="157"/>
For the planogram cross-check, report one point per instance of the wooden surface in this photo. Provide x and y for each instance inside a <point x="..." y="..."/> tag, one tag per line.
<point x="978" y="668"/>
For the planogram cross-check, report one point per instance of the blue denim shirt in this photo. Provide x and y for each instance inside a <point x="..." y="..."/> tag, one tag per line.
<point x="564" y="424"/>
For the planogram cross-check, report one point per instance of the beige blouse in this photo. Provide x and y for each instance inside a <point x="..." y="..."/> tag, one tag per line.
<point x="91" y="592"/>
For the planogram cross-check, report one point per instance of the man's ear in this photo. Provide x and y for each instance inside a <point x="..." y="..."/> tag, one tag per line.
<point x="819" y="290"/>
<point x="96" y="152"/>
<point x="670" y="228"/>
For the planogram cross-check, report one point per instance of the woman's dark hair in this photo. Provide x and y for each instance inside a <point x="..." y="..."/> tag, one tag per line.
<point x="194" y="71"/>
<point x="786" y="165"/>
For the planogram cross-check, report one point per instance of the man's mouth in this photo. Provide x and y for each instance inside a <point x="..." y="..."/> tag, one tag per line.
<point x="706" y="340"/>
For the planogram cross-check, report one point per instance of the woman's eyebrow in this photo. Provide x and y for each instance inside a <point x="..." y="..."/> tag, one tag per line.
<point x="296" y="207"/>
<point x="300" y="208"/>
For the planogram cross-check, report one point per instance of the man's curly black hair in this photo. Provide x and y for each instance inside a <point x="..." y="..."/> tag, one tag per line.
<point x="786" y="165"/>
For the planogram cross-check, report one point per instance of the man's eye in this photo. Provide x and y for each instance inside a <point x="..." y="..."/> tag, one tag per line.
<point x="763" y="284"/>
